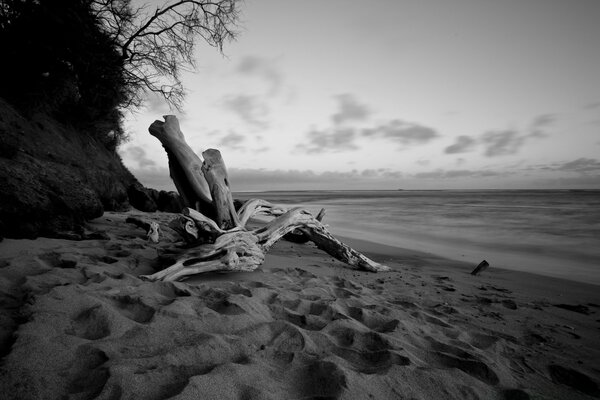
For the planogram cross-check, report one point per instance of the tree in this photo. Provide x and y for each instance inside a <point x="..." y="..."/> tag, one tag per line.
<point x="84" y="61"/>
<point x="156" y="45"/>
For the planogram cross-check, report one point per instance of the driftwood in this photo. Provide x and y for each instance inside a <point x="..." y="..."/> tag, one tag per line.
<point x="222" y="240"/>
<point x="152" y="228"/>
<point x="480" y="268"/>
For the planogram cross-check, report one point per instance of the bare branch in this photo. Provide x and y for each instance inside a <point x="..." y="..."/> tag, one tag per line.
<point x="157" y="45"/>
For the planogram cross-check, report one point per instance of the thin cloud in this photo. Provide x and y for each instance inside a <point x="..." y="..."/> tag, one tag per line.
<point x="463" y="144"/>
<point x="510" y="141"/>
<point x="457" y="173"/>
<point x="263" y="68"/>
<point x="250" y="109"/>
<point x="233" y="141"/>
<point x="581" y="165"/>
<point x="337" y="139"/>
<point x="500" y="143"/>
<point x="405" y="133"/>
<point x="245" y="179"/>
<point x="541" y="123"/>
<point x="592" y="106"/>
<point x="138" y="154"/>
<point x="320" y="141"/>
<point x="349" y="110"/>
<point x="262" y="149"/>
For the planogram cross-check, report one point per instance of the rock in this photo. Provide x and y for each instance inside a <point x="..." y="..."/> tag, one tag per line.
<point x="150" y="200"/>
<point x="169" y="202"/>
<point x="141" y="198"/>
<point x="54" y="178"/>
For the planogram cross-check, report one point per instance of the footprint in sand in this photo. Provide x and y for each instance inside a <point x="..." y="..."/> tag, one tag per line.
<point x="56" y="260"/>
<point x="343" y="293"/>
<point x="366" y="352"/>
<point x="482" y="341"/>
<point x="514" y="394"/>
<point x="404" y="304"/>
<point x="88" y="373"/>
<point x="373" y="320"/>
<point x="574" y="379"/>
<point x="91" y="324"/>
<point x="219" y="301"/>
<point x="133" y="308"/>
<point x="285" y="341"/>
<point x="307" y="314"/>
<point x="321" y="380"/>
<point x="430" y="319"/>
<point x="454" y="357"/>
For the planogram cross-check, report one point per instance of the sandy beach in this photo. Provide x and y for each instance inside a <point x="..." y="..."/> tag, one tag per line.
<point x="78" y="323"/>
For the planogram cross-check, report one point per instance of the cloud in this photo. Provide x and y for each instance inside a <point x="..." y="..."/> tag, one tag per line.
<point x="249" y="108"/>
<point x="263" y="68"/>
<point x="499" y="143"/>
<point x="457" y="173"/>
<point x="262" y="179"/>
<point x="510" y="141"/>
<point x="581" y="165"/>
<point x="349" y="110"/>
<point x="405" y="133"/>
<point x="339" y="139"/>
<point x="462" y="145"/>
<point x="138" y="154"/>
<point x="541" y="123"/>
<point x="232" y="140"/>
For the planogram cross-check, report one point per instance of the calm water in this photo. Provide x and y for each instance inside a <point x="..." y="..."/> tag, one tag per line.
<point x="554" y="233"/>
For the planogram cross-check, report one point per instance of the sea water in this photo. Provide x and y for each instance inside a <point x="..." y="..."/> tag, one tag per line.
<point x="548" y="232"/>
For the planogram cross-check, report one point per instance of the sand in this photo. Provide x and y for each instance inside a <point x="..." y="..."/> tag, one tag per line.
<point x="77" y="323"/>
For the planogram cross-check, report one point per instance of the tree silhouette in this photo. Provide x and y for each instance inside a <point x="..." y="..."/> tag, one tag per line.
<point x="84" y="61"/>
<point x="157" y="44"/>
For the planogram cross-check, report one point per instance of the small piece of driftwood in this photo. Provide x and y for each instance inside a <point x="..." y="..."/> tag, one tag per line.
<point x="480" y="268"/>
<point x="151" y="227"/>
<point x="220" y="236"/>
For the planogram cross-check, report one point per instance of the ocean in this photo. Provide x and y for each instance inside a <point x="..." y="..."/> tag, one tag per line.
<point x="547" y="232"/>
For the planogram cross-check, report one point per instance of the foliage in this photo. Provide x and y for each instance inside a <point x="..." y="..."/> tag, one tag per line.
<point x="84" y="61"/>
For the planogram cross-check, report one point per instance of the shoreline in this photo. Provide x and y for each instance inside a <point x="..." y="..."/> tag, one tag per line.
<point x="388" y="249"/>
<point x="533" y="283"/>
<point x="529" y="233"/>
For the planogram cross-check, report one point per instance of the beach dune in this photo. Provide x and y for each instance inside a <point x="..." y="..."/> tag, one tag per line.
<point x="78" y="323"/>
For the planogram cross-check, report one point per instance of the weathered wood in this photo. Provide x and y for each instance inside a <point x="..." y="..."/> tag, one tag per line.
<point x="254" y="207"/>
<point x="187" y="166"/>
<point x="298" y="218"/>
<point x="215" y="173"/>
<point x="240" y="250"/>
<point x="234" y="251"/>
<point x="223" y="241"/>
<point x="480" y="268"/>
<point x="152" y="228"/>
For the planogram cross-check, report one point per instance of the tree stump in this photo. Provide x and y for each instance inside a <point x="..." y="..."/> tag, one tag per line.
<point x="220" y="235"/>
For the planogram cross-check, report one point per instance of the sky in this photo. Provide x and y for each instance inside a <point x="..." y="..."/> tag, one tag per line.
<point x="393" y="94"/>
